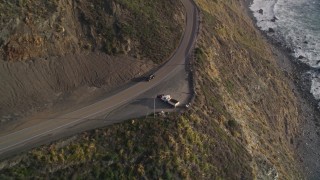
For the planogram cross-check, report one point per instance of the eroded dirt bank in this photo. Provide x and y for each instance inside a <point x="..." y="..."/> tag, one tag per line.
<point x="35" y="85"/>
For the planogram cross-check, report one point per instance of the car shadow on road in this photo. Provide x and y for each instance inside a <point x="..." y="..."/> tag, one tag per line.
<point x="138" y="79"/>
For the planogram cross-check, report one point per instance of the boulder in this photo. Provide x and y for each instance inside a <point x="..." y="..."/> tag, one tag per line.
<point x="271" y="30"/>
<point x="274" y="19"/>
<point x="289" y="50"/>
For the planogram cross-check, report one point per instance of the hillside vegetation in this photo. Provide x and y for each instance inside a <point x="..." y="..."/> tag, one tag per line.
<point x="41" y="29"/>
<point x="152" y="148"/>
<point x="249" y="94"/>
<point x="241" y="125"/>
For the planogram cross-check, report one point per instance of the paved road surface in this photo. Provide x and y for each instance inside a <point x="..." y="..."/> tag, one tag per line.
<point x="121" y="106"/>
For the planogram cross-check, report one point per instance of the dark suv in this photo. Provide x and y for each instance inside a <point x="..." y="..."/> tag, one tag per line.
<point x="152" y="76"/>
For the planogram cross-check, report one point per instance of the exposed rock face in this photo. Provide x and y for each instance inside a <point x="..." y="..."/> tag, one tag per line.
<point x="266" y="169"/>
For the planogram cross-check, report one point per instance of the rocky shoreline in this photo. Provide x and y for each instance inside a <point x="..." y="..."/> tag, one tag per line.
<point x="308" y="139"/>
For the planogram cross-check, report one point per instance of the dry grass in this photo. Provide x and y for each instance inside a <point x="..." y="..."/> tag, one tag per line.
<point x="247" y="87"/>
<point x="184" y="147"/>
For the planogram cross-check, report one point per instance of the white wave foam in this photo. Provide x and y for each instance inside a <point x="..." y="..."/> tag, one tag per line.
<point x="315" y="87"/>
<point x="264" y="18"/>
<point x="299" y="25"/>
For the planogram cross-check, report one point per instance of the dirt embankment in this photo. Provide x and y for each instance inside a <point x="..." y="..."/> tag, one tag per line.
<point x="28" y="86"/>
<point x="48" y="49"/>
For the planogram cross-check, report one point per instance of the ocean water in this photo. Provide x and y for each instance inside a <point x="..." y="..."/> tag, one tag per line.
<point x="295" y="23"/>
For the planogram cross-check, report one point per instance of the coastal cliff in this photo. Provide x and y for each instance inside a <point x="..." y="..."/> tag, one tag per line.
<point x="241" y="125"/>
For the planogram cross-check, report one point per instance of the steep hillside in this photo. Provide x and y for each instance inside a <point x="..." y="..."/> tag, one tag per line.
<point x="249" y="95"/>
<point x="49" y="49"/>
<point x="241" y="125"/>
<point x="42" y="29"/>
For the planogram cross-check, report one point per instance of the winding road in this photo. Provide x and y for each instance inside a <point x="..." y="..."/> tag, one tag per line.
<point x="114" y="106"/>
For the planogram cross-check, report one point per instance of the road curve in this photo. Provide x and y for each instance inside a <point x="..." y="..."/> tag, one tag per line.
<point x="17" y="141"/>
